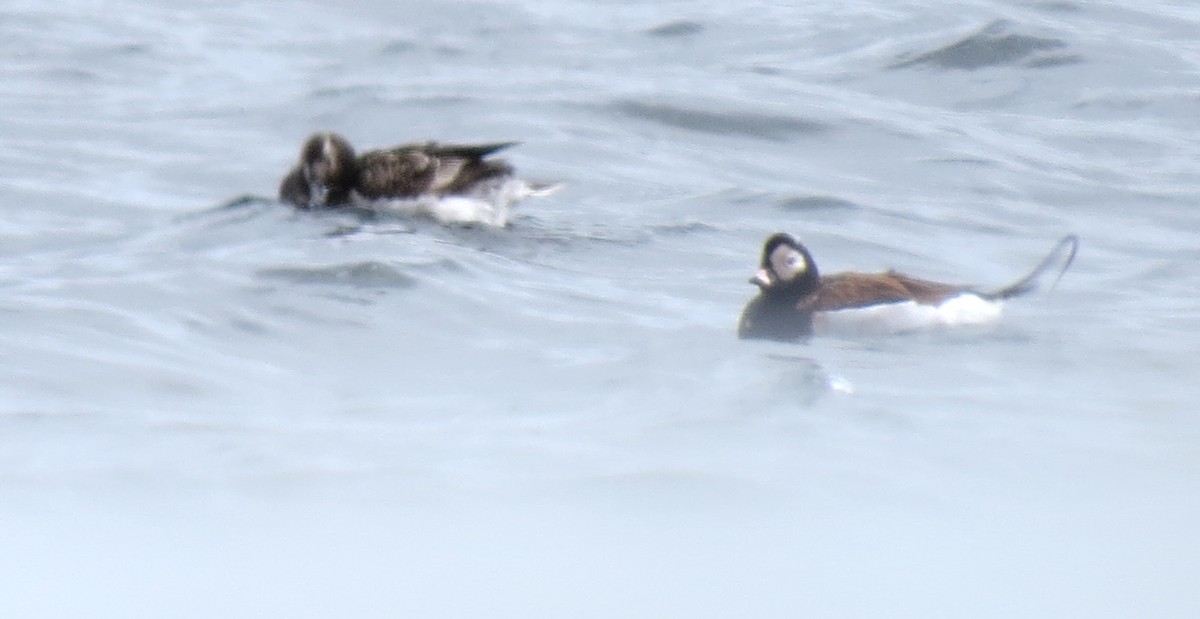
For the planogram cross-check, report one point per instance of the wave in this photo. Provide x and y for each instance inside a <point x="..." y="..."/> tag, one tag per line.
<point x="752" y="124"/>
<point x="993" y="46"/>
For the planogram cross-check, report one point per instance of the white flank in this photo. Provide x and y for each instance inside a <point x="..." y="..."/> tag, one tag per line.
<point x="448" y="211"/>
<point x="489" y="203"/>
<point x="889" y="318"/>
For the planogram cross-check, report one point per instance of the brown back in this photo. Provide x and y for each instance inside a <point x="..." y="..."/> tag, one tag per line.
<point x="850" y="290"/>
<point x="426" y="168"/>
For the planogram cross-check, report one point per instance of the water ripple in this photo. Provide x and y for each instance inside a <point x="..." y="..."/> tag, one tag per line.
<point x="679" y="28"/>
<point x="753" y="124"/>
<point x="992" y="46"/>
<point x="368" y="274"/>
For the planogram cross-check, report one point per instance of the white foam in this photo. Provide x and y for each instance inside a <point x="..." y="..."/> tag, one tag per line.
<point x="488" y="203"/>
<point x="908" y="316"/>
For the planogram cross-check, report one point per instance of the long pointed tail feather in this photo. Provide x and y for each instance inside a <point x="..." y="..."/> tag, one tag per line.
<point x="1063" y="251"/>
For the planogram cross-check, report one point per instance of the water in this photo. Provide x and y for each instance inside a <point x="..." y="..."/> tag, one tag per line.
<point x="213" y="406"/>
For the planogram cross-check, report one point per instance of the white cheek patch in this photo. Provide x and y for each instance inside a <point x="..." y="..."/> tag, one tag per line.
<point x="788" y="263"/>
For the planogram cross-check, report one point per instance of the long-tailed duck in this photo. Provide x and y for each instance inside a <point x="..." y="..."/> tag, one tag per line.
<point x="452" y="183"/>
<point x="795" y="300"/>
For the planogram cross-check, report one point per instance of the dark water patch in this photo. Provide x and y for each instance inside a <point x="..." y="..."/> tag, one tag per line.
<point x="70" y="74"/>
<point x="816" y="203"/>
<point x="236" y="212"/>
<point x="404" y="47"/>
<point x="533" y="242"/>
<point x="681" y="28"/>
<point x="130" y="49"/>
<point x="542" y="244"/>
<point x="248" y="326"/>
<point x="763" y="69"/>
<point x="344" y="229"/>
<point x="397" y="47"/>
<point x="1057" y="7"/>
<point x="343" y="221"/>
<point x="369" y="274"/>
<point x="434" y="101"/>
<point x="449" y="51"/>
<point x="1056" y="60"/>
<point x="683" y="229"/>
<point x="972" y="161"/>
<point x="333" y="92"/>
<point x="991" y="46"/>
<point x="615" y="237"/>
<point x="441" y="266"/>
<point x="1114" y="103"/>
<point x="37" y="416"/>
<point x="241" y="220"/>
<point x="753" y="124"/>
<point x="238" y="203"/>
<point x="806" y="203"/>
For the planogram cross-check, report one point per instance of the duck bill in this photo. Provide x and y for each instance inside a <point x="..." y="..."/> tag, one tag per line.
<point x="762" y="279"/>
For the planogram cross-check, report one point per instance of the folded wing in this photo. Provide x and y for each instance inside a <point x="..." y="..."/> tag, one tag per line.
<point x="851" y="290"/>
<point x="427" y="168"/>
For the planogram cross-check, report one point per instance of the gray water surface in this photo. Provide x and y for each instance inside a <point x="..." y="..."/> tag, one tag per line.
<point x="213" y="406"/>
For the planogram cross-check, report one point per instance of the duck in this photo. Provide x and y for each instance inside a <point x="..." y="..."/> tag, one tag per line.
<point x="450" y="183"/>
<point x="796" y="301"/>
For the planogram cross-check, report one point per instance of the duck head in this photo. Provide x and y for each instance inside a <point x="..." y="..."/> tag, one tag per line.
<point x="786" y="269"/>
<point x="327" y="163"/>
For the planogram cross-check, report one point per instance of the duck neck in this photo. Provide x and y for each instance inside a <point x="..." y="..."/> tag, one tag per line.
<point x="775" y="317"/>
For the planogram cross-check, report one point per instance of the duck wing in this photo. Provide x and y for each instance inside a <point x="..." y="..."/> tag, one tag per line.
<point x="412" y="170"/>
<point x="465" y="151"/>
<point x="924" y="291"/>
<point x="395" y="173"/>
<point x="851" y="290"/>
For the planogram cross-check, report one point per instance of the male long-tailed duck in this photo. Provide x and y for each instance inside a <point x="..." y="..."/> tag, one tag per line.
<point x="796" y="301"/>
<point x="452" y="183"/>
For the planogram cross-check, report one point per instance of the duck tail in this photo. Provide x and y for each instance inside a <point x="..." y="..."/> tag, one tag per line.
<point x="1062" y="255"/>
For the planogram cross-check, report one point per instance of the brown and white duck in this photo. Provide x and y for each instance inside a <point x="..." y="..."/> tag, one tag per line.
<point x="796" y="301"/>
<point x="451" y="183"/>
